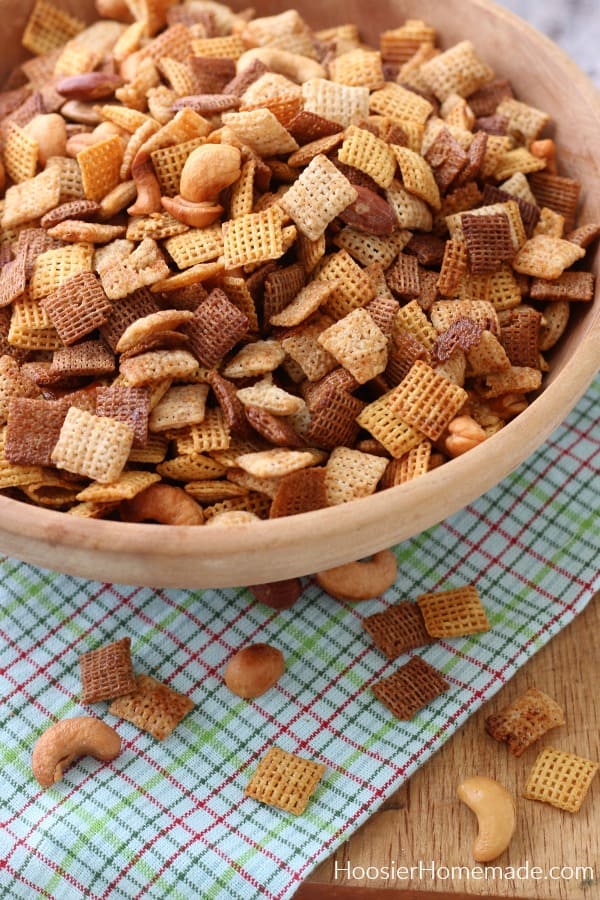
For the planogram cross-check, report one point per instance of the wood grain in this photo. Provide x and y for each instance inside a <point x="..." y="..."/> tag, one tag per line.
<point x="424" y="821"/>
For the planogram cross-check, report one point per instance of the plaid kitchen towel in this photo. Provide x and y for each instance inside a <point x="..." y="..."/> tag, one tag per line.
<point x="169" y="819"/>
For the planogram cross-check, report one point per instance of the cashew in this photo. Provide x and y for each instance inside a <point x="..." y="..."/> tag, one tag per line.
<point x="463" y="434"/>
<point x="294" y="66"/>
<point x="495" y="811"/>
<point x="208" y="170"/>
<point x="196" y="215"/>
<point x="360" y="580"/>
<point x="146" y="182"/>
<point x="165" y="504"/>
<point x="113" y="9"/>
<point x="67" y="739"/>
<point x="50" y="132"/>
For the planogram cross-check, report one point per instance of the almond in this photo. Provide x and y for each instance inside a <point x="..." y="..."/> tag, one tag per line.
<point x="89" y="86"/>
<point x="370" y="213"/>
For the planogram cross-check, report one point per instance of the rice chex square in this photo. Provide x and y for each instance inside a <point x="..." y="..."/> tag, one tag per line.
<point x="94" y="446"/>
<point x="317" y="196"/>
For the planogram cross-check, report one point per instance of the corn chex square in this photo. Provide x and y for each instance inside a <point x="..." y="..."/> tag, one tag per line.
<point x="285" y="780"/>
<point x="400" y="105"/>
<point x="48" y="28"/>
<point x="427" y="400"/>
<point x="255" y="237"/>
<point x="561" y="779"/>
<point x="317" y="196"/>
<point x="94" y="446"/>
<point x="363" y="150"/>
<point x="100" y="167"/>
<point x="352" y="287"/>
<point x="152" y="706"/>
<point x="380" y="420"/>
<point x="417" y="176"/>
<point x="358" y="344"/>
<point x="454" y="612"/>
<point x="52" y="268"/>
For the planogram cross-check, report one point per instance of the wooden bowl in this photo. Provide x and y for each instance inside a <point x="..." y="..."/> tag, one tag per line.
<point x="167" y="556"/>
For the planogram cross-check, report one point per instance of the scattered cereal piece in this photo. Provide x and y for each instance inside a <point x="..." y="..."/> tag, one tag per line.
<point x="152" y="706"/>
<point x="454" y="612"/>
<point x="107" y="672"/>
<point x="410" y="688"/>
<point x="284" y="780"/>
<point x="525" y="720"/>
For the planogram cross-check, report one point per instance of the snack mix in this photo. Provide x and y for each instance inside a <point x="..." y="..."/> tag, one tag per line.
<point x="249" y="269"/>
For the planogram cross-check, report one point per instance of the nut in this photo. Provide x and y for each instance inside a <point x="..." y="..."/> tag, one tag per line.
<point x="146" y="182"/>
<point x="277" y="594"/>
<point x="253" y="670"/>
<point x="114" y="9"/>
<point x="67" y="739"/>
<point x="165" y="504"/>
<point x="50" y="132"/>
<point x="208" y="170"/>
<point x="360" y="580"/>
<point x="196" y="215"/>
<point x="294" y="66"/>
<point x="89" y="86"/>
<point x="370" y="213"/>
<point x="78" y="111"/>
<point x="463" y="434"/>
<point x="495" y="811"/>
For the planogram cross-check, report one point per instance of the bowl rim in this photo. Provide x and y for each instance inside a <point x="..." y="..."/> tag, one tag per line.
<point x="183" y="556"/>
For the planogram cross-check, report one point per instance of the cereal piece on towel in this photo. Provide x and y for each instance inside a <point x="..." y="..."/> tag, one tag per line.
<point x="398" y="629"/>
<point x="525" y="720"/>
<point x="410" y="688"/>
<point x="153" y="707"/>
<point x="454" y="612"/>
<point x="284" y="780"/>
<point x="561" y="779"/>
<point x="94" y="446"/>
<point x="107" y="672"/>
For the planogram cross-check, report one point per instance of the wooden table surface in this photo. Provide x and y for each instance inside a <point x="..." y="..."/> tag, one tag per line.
<point x="424" y="822"/>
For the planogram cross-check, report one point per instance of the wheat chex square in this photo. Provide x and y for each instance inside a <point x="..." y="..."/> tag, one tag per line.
<point x="525" y="720"/>
<point x="285" y="780"/>
<point x="107" y="672"/>
<point x="454" y="612"/>
<point x="410" y="688"/>
<point x="398" y="629"/>
<point x="152" y="706"/>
